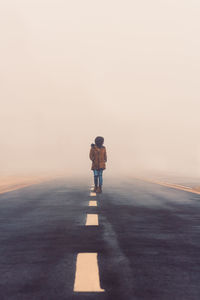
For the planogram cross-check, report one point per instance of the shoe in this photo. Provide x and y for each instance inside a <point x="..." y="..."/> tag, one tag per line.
<point x="95" y="189"/>
<point x="99" y="189"/>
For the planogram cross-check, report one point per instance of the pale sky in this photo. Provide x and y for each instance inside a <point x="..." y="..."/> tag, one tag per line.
<point x="127" y="70"/>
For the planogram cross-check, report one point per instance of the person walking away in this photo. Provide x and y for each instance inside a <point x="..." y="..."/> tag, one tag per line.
<point x="98" y="157"/>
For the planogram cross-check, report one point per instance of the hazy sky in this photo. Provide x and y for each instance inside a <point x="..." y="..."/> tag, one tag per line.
<point x="127" y="70"/>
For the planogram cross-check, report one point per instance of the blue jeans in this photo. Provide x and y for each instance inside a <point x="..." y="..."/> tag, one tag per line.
<point x="98" y="176"/>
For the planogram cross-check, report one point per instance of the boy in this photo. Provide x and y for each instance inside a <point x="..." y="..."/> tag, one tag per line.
<point x="98" y="156"/>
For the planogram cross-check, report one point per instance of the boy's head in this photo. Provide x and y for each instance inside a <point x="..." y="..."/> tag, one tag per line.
<point x="99" y="141"/>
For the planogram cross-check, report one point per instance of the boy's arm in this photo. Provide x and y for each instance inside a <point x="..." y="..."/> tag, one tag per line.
<point x="91" y="155"/>
<point x="105" y="155"/>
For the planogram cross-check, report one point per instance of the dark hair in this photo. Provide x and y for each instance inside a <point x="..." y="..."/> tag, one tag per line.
<point x="99" y="141"/>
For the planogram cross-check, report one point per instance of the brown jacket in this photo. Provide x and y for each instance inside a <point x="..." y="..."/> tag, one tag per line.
<point x="98" y="157"/>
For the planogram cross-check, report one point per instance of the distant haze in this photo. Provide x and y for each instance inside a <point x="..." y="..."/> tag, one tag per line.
<point x="126" y="70"/>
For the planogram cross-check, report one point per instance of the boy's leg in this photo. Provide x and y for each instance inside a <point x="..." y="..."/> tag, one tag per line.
<point x="100" y="180"/>
<point x="95" y="180"/>
<point x="101" y="177"/>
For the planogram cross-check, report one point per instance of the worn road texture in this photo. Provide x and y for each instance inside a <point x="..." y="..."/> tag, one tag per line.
<point x="148" y="241"/>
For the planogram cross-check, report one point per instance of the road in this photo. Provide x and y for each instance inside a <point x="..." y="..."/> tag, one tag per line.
<point x="147" y="241"/>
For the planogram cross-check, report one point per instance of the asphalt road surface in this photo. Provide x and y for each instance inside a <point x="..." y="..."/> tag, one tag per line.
<point x="147" y="241"/>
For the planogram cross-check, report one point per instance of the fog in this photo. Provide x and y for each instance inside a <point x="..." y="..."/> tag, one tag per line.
<point x="126" y="70"/>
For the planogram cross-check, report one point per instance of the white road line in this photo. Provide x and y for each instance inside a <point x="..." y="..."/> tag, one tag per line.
<point x="93" y="203"/>
<point x="87" y="273"/>
<point x="183" y="186"/>
<point x="92" y="220"/>
<point x="92" y="194"/>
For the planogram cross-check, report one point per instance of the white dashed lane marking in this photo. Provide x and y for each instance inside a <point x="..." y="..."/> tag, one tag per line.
<point x="92" y="220"/>
<point x="93" y="203"/>
<point x="92" y="194"/>
<point x="87" y="273"/>
<point x="87" y="270"/>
